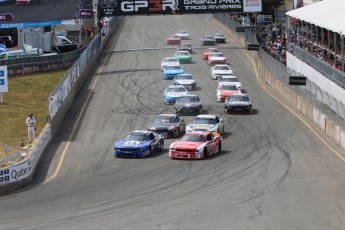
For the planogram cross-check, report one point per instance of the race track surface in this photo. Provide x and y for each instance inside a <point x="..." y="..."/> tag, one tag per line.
<point x="273" y="172"/>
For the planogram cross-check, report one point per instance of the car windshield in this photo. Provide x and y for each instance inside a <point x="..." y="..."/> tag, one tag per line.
<point x="218" y="35"/>
<point x="228" y="87"/>
<point x="182" y="53"/>
<point x="188" y="99"/>
<point x="137" y="137"/>
<point x="235" y="98"/>
<point x="170" y="60"/>
<point x="177" y="89"/>
<point x="193" y="138"/>
<point x="173" y="67"/>
<point x="183" y="77"/>
<point x="217" y="55"/>
<point x="228" y="80"/>
<point x="221" y="67"/>
<point x="208" y="37"/>
<point x="181" y="32"/>
<point x="204" y="121"/>
<point x="166" y="119"/>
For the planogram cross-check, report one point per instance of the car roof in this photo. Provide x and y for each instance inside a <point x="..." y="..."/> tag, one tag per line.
<point x="176" y="86"/>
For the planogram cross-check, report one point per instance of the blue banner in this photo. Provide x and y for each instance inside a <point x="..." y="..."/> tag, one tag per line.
<point x="29" y="24"/>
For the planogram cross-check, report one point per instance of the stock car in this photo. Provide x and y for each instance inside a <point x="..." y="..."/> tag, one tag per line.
<point x="139" y="144"/>
<point x="172" y="92"/>
<point x="169" y="61"/>
<point x="209" y="51"/>
<point x="188" y="104"/>
<point x="170" y="72"/>
<point x="229" y="80"/>
<point x="219" y="37"/>
<point x="216" y="58"/>
<point x="183" y="34"/>
<point x="225" y="91"/>
<point x="186" y="80"/>
<point x="206" y="123"/>
<point x="208" y="40"/>
<point x="185" y="47"/>
<point x="168" y="125"/>
<point x="196" y="145"/>
<point x="27" y="2"/>
<point x="173" y="40"/>
<point x="183" y="56"/>
<point x="238" y="103"/>
<point x="220" y="70"/>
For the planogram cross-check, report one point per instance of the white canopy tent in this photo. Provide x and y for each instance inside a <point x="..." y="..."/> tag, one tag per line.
<point x="328" y="14"/>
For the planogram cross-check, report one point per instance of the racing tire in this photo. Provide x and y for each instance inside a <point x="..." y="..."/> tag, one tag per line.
<point x="205" y="153"/>
<point x="219" y="147"/>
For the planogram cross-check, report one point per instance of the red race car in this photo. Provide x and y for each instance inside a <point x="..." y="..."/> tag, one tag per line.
<point x="196" y="145"/>
<point x="209" y="51"/>
<point x="173" y="40"/>
<point x="216" y="58"/>
<point x="224" y="91"/>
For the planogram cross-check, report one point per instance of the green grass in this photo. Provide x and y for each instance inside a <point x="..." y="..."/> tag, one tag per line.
<point x="26" y="93"/>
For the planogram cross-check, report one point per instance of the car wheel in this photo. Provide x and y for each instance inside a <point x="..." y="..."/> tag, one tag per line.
<point x="219" y="147"/>
<point x="205" y="153"/>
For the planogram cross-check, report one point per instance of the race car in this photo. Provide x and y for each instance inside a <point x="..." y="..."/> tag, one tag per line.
<point x="183" y="56"/>
<point x="182" y="34"/>
<point x="207" y="40"/>
<point x="173" y="92"/>
<point x="168" y="125"/>
<point x="169" y="61"/>
<point x="219" y="37"/>
<point x="188" y="104"/>
<point x="206" y="123"/>
<point x="186" y="80"/>
<point x="216" y="58"/>
<point x="139" y="144"/>
<point x="225" y="91"/>
<point x="209" y="51"/>
<point x="220" y="70"/>
<point x="229" y="80"/>
<point x="185" y="47"/>
<point x="238" y="103"/>
<point x="196" y="145"/>
<point x="173" y="40"/>
<point x="27" y="2"/>
<point x="170" y="72"/>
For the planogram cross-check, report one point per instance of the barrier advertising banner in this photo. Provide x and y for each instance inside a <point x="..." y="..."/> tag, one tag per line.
<point x="147" y="7"/>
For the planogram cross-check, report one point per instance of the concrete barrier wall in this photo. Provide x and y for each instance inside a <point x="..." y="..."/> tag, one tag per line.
<point x="308" y="110"/>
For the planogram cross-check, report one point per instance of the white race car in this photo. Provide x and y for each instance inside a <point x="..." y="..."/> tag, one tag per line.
<point x="229" y="80"/>
<point x="169" y="61"/>
<point x="206" y="123"/>
<point x="220" y="70"/>
<point x="183" y="34"/>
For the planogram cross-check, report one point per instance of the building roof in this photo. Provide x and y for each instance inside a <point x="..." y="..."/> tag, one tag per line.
<point x="328" y="14"/>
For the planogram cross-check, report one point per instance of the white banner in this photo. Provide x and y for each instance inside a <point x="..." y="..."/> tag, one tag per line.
<point x="3" y="79"/>
<point x="252" y="6"/>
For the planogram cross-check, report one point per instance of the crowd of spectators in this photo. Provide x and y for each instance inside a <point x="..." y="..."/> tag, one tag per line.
<point x="272" y="36"/>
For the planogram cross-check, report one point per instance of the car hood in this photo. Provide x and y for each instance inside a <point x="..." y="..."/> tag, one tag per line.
<point x="186" y="81"/>
<point x="187" y="145"/>
<point x="187" y="104"/>
<point x="170" y="64"/>
<point x="162" y="125"/>
<point x="228" y="92"/>
<point x="175" y="71"/>
<point x="225" y="72"/>
<point x="244" y="103"/>
<point x="202" y="127"/>
<point x="175" y="94"/>
<point x="217" y="58"/>
<point x="129" y="144"/>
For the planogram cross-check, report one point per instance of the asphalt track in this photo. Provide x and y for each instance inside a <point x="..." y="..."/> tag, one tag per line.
<point x="275" y="171"/>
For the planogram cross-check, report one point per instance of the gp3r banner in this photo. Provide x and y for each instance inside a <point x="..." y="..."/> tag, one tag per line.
<point x="109" y="8"/>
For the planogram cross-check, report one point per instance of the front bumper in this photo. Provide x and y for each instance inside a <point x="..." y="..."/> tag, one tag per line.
<point x="185" y="154"/>
<point x="130" y="153"/>
<point x="238" y="108"/>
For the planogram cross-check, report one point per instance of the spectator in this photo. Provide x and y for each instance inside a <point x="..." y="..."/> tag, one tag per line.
<point x="82" y="32"/>
<point x="30" y="123"/>
<point x="88" y="31"/>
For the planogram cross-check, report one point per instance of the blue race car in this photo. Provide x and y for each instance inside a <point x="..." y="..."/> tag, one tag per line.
<point x="173" y="92"/>
<point x="170" y="72"/>
<point x="139" y="144"/>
